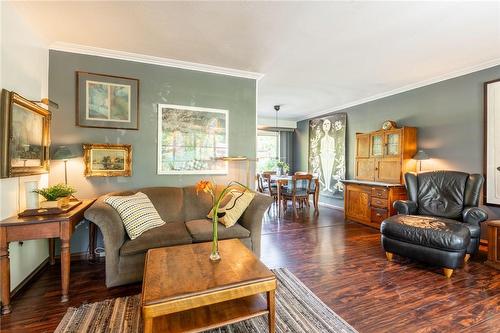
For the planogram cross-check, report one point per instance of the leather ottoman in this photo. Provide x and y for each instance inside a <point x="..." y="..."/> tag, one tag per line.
<point x="437" y="241"/>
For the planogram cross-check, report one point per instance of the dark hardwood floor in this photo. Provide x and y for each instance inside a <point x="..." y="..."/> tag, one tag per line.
<point x="341" y="262"/>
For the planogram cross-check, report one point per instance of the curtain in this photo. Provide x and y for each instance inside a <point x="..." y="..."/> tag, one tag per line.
<point x="286" y="147"/>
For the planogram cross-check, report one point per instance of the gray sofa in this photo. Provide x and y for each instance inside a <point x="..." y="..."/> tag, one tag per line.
<point x="185" y="214"/>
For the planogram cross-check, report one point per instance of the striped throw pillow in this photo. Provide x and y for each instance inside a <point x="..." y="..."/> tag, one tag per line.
<point x="137" y="212"/>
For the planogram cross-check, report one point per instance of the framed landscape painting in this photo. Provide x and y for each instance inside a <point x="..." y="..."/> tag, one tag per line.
<point x="107" y="160"/>
<point x="25" y="136"/>
<point x="191" y="140"/>
<point x="107" y="101"/>
<point x="492" y="143"/>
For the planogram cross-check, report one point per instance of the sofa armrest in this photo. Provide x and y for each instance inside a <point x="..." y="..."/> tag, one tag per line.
<point x="474" y="215"/>
<point x="109" y="222"/>
<point x="252" y="218"/>
<point x="406" y="207"/>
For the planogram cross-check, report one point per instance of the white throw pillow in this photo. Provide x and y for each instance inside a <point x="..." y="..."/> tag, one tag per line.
<point x="233" y="205"/>
<point x="137" y="212"/>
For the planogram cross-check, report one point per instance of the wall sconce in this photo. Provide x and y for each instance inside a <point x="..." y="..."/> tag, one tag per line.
<point x="420" y="156"/>
<point x="50" y="103"/>
<point x="238" y="159"/>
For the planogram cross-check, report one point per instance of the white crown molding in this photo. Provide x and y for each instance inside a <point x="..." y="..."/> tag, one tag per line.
<point x="440" y="78"/>
<point x="147" y="59"/>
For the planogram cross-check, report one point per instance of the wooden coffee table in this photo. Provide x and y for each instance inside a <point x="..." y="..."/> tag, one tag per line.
<point x="183" y="291"/>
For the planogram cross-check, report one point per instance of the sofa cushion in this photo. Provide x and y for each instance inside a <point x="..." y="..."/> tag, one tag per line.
<point x="172" y="233"/>
<point x="429" y="231"/>
<point x="137" y="213"/>
<point x="233" y="206"/>
<point x="168" y="201"/>
<point x="201" y="230"/>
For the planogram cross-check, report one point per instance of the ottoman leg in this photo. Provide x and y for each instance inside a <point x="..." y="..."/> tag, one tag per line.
<point x="447" y="272"/>
<point x="389" y="255"/>
<point x="467" y="257"/>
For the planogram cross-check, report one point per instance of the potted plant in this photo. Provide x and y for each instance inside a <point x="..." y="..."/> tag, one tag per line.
<point x="56" y="196"/>
<point x="283" y="168"/>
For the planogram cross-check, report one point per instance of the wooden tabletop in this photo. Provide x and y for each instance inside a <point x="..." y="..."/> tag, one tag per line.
<point x="183" y="271"/>
<point x="15" y="220"/>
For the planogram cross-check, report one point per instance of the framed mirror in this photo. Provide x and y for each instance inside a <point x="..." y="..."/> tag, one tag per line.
<point x="24" y="137"/>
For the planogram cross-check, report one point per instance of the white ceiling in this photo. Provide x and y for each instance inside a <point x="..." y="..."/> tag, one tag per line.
<point x="316" y="56"/>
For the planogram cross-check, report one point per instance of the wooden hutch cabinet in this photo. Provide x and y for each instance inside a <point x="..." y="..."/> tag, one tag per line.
<point x="382" y="158"/>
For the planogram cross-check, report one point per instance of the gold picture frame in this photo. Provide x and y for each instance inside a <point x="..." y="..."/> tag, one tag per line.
<point x="107" y="160"/>
<point x="24" y="136"/>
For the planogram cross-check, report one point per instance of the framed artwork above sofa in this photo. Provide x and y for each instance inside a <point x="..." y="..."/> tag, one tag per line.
<point x="107" y="101"/>
<point x="192" y="140"/>
<point x="107" y="160"/>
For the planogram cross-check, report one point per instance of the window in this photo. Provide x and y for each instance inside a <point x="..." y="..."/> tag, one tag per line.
<point x="267" y="150"/>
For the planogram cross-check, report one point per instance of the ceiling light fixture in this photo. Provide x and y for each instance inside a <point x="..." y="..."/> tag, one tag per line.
<point x="277" y="108"/>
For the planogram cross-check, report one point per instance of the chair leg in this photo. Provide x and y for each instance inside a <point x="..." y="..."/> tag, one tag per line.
<point x="447" y="272"/>
<point x="294" y="207"/>
<point x="389" y="255"/>
<point x="467" y="257"/>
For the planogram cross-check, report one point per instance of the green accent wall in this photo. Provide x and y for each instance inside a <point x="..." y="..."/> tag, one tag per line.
<point x="448" y="115"/>
<point x="158" y="85"/>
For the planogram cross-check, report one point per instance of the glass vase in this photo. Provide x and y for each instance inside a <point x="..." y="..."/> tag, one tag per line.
<point x="214" y="255"/>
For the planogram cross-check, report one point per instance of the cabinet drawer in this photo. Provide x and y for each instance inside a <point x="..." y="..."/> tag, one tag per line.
<point x="381" y="203"/>
<point x="380" y="192"/>
<point x="378" y="215"/>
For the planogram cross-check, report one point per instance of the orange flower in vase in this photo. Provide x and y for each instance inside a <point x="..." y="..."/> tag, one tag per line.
<point x="205" y="186"/>
<point x="209" y="187"/>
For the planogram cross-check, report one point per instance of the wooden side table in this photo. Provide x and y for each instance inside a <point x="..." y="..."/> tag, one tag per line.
<point x="39" y="227"/>
<point x="493" y="244"/>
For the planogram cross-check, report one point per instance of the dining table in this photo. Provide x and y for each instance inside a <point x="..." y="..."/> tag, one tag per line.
<point x="283" y="180"/>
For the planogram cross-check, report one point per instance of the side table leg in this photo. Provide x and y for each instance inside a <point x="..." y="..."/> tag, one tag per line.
<point x="148" y="324"/>
<point x="271" y="303"/>
<point x="92" y="241"/>
<point x="65" y="262"/>
<point x="52" y="250"/>
<point x="5" y="267"/>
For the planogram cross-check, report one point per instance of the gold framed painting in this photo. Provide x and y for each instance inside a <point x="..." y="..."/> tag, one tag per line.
<point x="25" y="136"/>
<point x="107" y="160"/>
<point x="107" y="101"/>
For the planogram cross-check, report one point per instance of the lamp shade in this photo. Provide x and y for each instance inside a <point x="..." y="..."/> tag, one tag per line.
<point x="63" y="153"/>
<point x="420" y="156"/>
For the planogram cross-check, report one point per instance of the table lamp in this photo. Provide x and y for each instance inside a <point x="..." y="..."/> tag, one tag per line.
<point x="420" y="156"/>
<point x="64" y="153"/>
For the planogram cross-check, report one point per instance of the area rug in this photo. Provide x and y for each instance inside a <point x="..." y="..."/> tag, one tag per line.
<point x="297" y="310"/>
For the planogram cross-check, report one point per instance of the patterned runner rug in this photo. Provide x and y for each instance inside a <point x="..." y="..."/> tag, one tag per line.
<point x="297" y="310"/>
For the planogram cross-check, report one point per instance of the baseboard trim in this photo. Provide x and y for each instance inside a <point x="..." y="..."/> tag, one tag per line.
<point x="24" y="283"/>
<point x="324" y="204"/>
<point x="79" y="256"/>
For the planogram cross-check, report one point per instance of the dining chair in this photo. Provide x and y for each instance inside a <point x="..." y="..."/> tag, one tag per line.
<point x="297" y="192"/>
<point x="312" y="190"/>
<point x="260" y="183"/>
